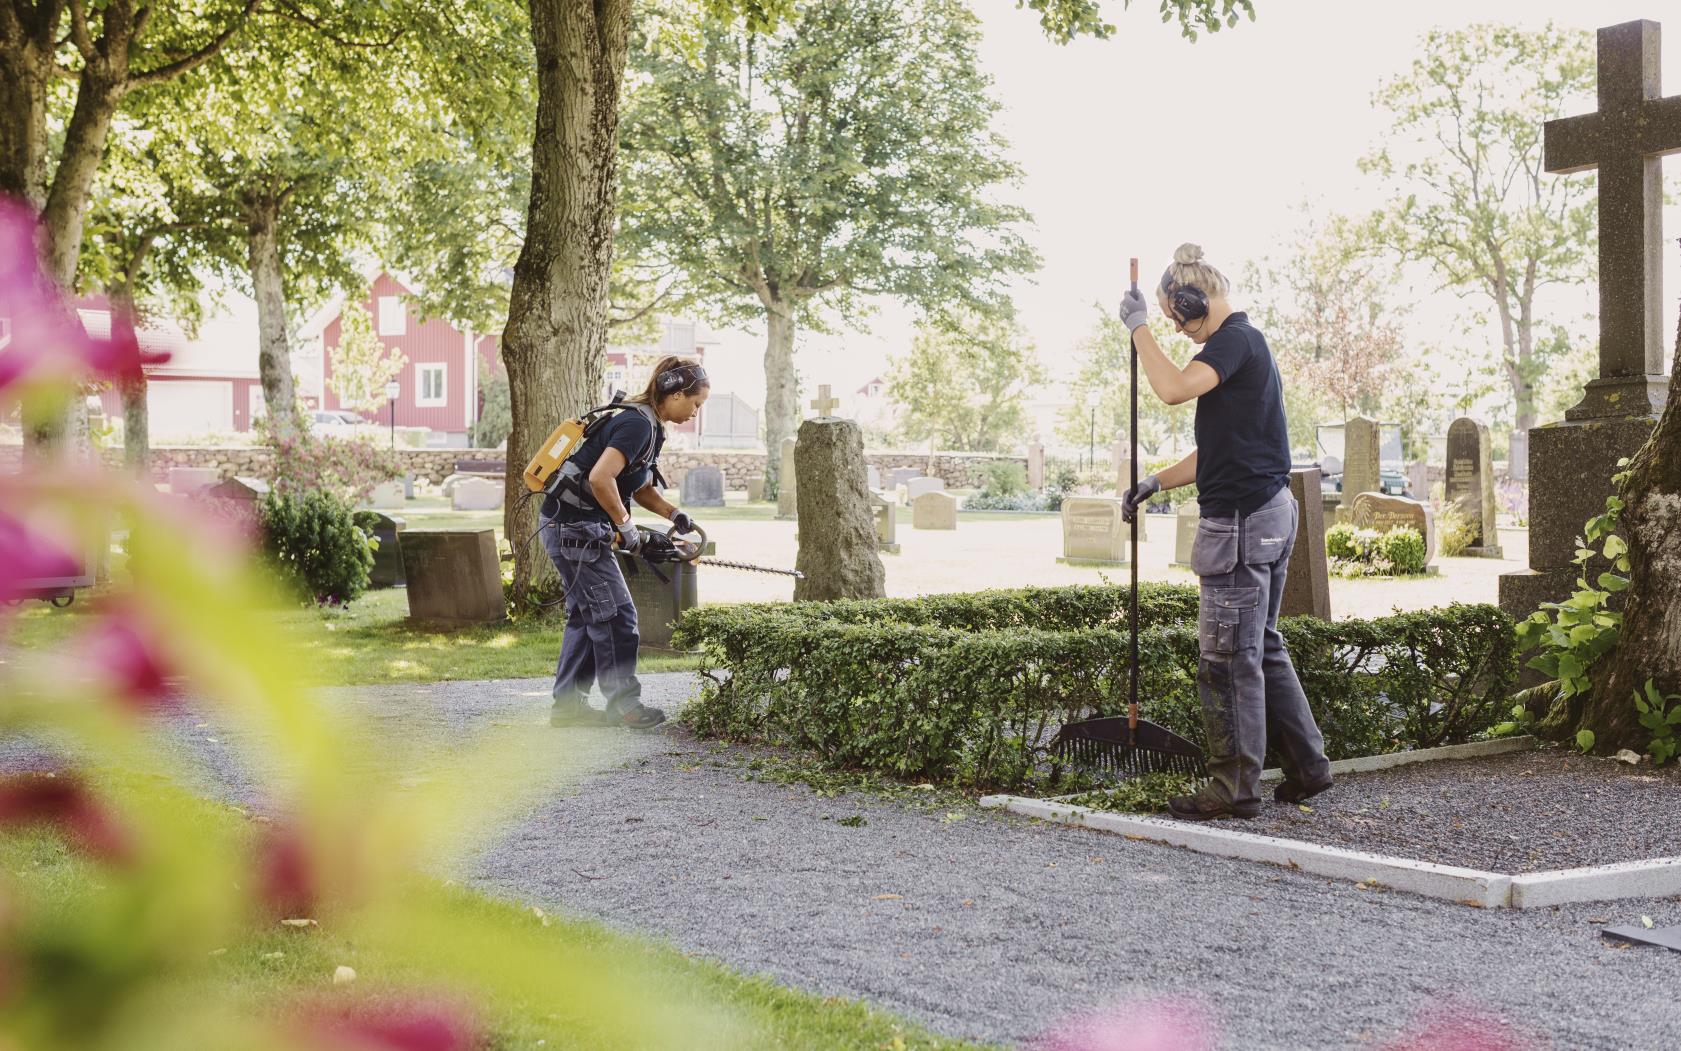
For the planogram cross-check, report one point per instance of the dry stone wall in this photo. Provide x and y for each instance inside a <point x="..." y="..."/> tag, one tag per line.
<point x="960" y="470"/>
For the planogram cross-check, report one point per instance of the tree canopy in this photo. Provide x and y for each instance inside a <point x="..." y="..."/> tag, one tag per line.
<point x="964" y="383"/>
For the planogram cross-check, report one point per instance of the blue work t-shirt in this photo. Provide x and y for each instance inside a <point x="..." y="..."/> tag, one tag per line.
<point x="627" y="431"/>
<point x="1243" y="442"/>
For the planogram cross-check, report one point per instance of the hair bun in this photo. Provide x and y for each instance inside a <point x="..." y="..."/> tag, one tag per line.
<point x="1187" y="254"/>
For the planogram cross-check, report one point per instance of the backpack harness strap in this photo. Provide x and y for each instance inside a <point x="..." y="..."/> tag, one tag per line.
<point x="570" y="484"/>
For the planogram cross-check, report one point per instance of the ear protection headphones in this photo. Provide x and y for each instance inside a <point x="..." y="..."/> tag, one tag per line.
<point x="683" y="378"/>
<point x="1187" y="303"/>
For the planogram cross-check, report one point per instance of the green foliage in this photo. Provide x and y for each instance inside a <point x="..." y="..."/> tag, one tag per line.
<point x="963" y="385"/>
<point x="1339" y="541"/>
<point x="362" y="363"/>
<point x="1404" y="549"/>
<point x="348" y="468"/>
<point x="968" y="688"/>
<point x="1064" y="20"/>
<point x="1584" y="741"/>
<point x="1356" y="552"/>
<point x="496" y="414"/>
<point x="1104" y="356"/>
<point x="1454" y="529"/>
<point x="1572" y="635"/>
<point x="1003" y="478"/>
<point x="1146" y="794"/>
<point x="312" y="542"/>
<point x="1657" y="716"/>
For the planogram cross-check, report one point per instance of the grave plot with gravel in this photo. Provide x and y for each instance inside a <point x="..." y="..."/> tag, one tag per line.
<point x="1516" y="813"/>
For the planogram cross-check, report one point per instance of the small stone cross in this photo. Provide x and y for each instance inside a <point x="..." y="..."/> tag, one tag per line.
<point x="825" y="403"/>
<point x="1633" y="128"/>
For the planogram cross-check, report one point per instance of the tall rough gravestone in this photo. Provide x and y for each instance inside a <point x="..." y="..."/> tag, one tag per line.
<point x="787" y="491"/>
<point x="837" y="533"/>
<point x="453" y="576"/>
<point x="1361" y="472"/>
<point x="1571" y="462"/>
<point x="1470" y="484"/>
<point x="703" y="487"/>
<point x="1307" y="581"/>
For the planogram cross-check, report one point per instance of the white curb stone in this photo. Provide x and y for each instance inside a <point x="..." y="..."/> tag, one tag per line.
<point x="1448" y="882"/>
<point x="1470" y="750"/>
<point x="1658" y="878"/>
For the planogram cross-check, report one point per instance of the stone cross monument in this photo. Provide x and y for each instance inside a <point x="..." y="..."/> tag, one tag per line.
<point x="825" y="403"/>
<point x="1571" y="462"/>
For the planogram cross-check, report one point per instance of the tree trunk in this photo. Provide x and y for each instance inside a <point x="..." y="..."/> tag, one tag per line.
<point x="137" y="441"/>
<point x="67" y="201"/>
<point x="782" y="391"/>
<point x="1650" y="645"/>
<point x="268" y="285"/>
<point x="24" y="75"/>
<point x="554" y="346"/>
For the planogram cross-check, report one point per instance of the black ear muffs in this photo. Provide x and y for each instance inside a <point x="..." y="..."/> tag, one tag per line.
<point x="1188" y="303"/>
<point x="681" y="378"/>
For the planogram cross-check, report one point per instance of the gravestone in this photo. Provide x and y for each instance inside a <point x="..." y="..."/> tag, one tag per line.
<point x="837" y="535"/>
<point x="453" y="576"/>
<point x="886" y="514"/>
<point x="1185" y="531"/>
<point x="184" y="481"/>
<point x="237" y="499"/>
<point x="1571" y="462"/>
<point x="1307" y="581"/>
<point x="934" y="510"/>
<point x="1470" y="484"/>
<point x="1036" y="464"/>
<point x="388" y="558"/>
<point x="660" y="604"/>
<point x="872" y="476"/>
<point x="1093" y="531"/>
<point x="756" y="488"/>
<point x="476" y="494"/>
<point x="703" y="487"/>
<point x="921" y="485"/>
<point x="1361" y="470"/>
<point x="899" y="476"/>
<point x="1382" y="512"/>
<point x="787" y="491"/>
<point x="387" y="494"/>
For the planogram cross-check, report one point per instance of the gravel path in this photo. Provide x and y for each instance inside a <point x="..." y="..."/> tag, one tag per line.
<point x="994" y="927"/>
<point x="1520" y="812"/>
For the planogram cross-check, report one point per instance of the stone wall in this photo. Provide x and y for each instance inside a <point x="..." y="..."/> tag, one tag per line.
<point x="960" y="470"/>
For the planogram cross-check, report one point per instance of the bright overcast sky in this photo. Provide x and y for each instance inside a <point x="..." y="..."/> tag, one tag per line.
<point x="1274" y="113"/>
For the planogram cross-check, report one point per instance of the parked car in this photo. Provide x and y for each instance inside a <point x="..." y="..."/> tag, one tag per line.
<point x="335" y="420"/>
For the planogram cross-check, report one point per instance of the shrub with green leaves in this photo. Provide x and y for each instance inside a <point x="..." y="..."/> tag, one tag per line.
<point x="1454" y="529"/>
<point x="1339" y="540"/>
<point x="1003" y="478"/>
<point x="1403" y="548"/>
<point x="312" y="542"/>
<point x="969" y="688"/>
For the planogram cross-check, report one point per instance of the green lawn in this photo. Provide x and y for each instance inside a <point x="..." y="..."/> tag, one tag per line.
<point x="550" y="1000"/>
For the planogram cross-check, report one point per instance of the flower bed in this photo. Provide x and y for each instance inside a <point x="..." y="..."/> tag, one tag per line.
<point x="967" y="688"/>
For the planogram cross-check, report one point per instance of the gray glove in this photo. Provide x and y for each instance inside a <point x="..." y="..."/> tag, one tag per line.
<point x="683" y="523"/>
<point x="630" y="537"/>
<point x="1132" y="501"/>
<point x="1134" y="312"/>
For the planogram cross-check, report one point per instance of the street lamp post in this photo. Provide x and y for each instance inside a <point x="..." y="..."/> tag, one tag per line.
<point x="393" y="389"/>
<point x="1092" y="398"/>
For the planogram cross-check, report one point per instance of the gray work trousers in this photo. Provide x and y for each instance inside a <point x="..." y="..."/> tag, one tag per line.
<point x="601" y="632"/>
<point x="1248" y="687"/>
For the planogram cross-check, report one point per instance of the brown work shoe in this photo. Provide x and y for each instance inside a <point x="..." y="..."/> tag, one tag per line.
<point x="1291" y="790"/>
<point x="1206" y="806"/>
<point x="640" y="717"/>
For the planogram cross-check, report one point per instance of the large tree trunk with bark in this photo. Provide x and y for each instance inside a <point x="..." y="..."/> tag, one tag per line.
<point x="274" y="351"/>
<point x="782" y="389"/>
<point x="27" y="43"/>
<point x="137" y="438"/>
<point x="1650" y="645"/>
<point x="84" y="147"/>
<point x="554" y="346"/>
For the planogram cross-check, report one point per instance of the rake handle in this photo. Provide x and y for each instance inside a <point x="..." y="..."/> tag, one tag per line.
<point x="1132" y="484"/>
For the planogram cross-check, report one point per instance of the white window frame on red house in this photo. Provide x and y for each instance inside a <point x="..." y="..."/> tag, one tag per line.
<point x="393" y="316"/>
<point x="421" y="374"/>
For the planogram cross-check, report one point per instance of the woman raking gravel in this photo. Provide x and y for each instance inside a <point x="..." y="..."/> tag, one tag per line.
<point x="580" y="524"/>
<point x="1241" y="467"/>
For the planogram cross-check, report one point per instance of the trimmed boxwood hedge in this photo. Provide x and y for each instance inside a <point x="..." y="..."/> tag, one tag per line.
<point x="967" y="688"/>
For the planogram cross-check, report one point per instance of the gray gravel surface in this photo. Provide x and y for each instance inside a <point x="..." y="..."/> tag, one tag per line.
<point x="992" y="926"/>
<point x="1520" y="812"/>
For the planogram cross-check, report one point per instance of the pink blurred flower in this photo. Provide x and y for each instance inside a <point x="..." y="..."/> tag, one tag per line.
<point x="66" y="804"/>
<point x="1152" y="1025"/>
<point x="1459" y="1027"/>
<point x="26" y="555"/>
<point x="122" y="652"/>
<point x="395" y="1025"/>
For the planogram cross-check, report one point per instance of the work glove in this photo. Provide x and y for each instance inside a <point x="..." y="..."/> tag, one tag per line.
<point x="630" y="537"/>
<point x="682" y="523"/>
<point x="1132" y="501"/>
<point x="1133" y="310"/>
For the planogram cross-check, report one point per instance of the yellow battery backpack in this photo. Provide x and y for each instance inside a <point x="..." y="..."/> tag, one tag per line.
<point x="554" y="473"/>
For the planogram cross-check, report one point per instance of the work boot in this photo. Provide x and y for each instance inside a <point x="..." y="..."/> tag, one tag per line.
<point x="1206" y="806"/>
<point x="1291" y="790"/>
<point x="640" y="717"/>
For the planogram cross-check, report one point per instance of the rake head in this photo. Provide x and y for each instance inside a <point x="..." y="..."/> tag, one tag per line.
<point x="1113" y="746"/>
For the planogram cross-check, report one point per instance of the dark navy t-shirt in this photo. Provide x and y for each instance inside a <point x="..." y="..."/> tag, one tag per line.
<point x="1243" y="443"/>
<point x="627" y="431"/>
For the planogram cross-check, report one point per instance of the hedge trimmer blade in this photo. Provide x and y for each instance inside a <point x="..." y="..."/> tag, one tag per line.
<point x="750" y="567"/>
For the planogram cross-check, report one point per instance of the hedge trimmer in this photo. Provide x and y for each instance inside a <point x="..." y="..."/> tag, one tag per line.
<point x="665" y="548"/>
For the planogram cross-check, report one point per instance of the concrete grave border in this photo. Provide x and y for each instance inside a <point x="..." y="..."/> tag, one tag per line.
<point x="1654" y="878"/>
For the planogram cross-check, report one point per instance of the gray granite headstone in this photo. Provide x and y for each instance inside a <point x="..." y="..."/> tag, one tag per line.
<point x="476" y="494"/>
<point x="184" y="481"/>
<point x="1470" y="484"/>
<point x="388" y="558"/>
<point x="1361" y="471"/>
<point x="1307" y="581"/>
<point x="703" y="487"/>
<point x="886" y="516"/>
<point x="934" y="510"/>
<point x="453" y="576"/>
<point x="872" y="476"/>
<point x="1093" y="530"/>
<point x="916" y="487"/>
<point x="787" y="484"/>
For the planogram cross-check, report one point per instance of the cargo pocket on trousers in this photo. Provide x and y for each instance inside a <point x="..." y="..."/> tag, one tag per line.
<point x="1266" y="534"/>
<point x="1227" y="614"/>
<point x="1215" y="551"/>
<point x="599" y="605"/>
